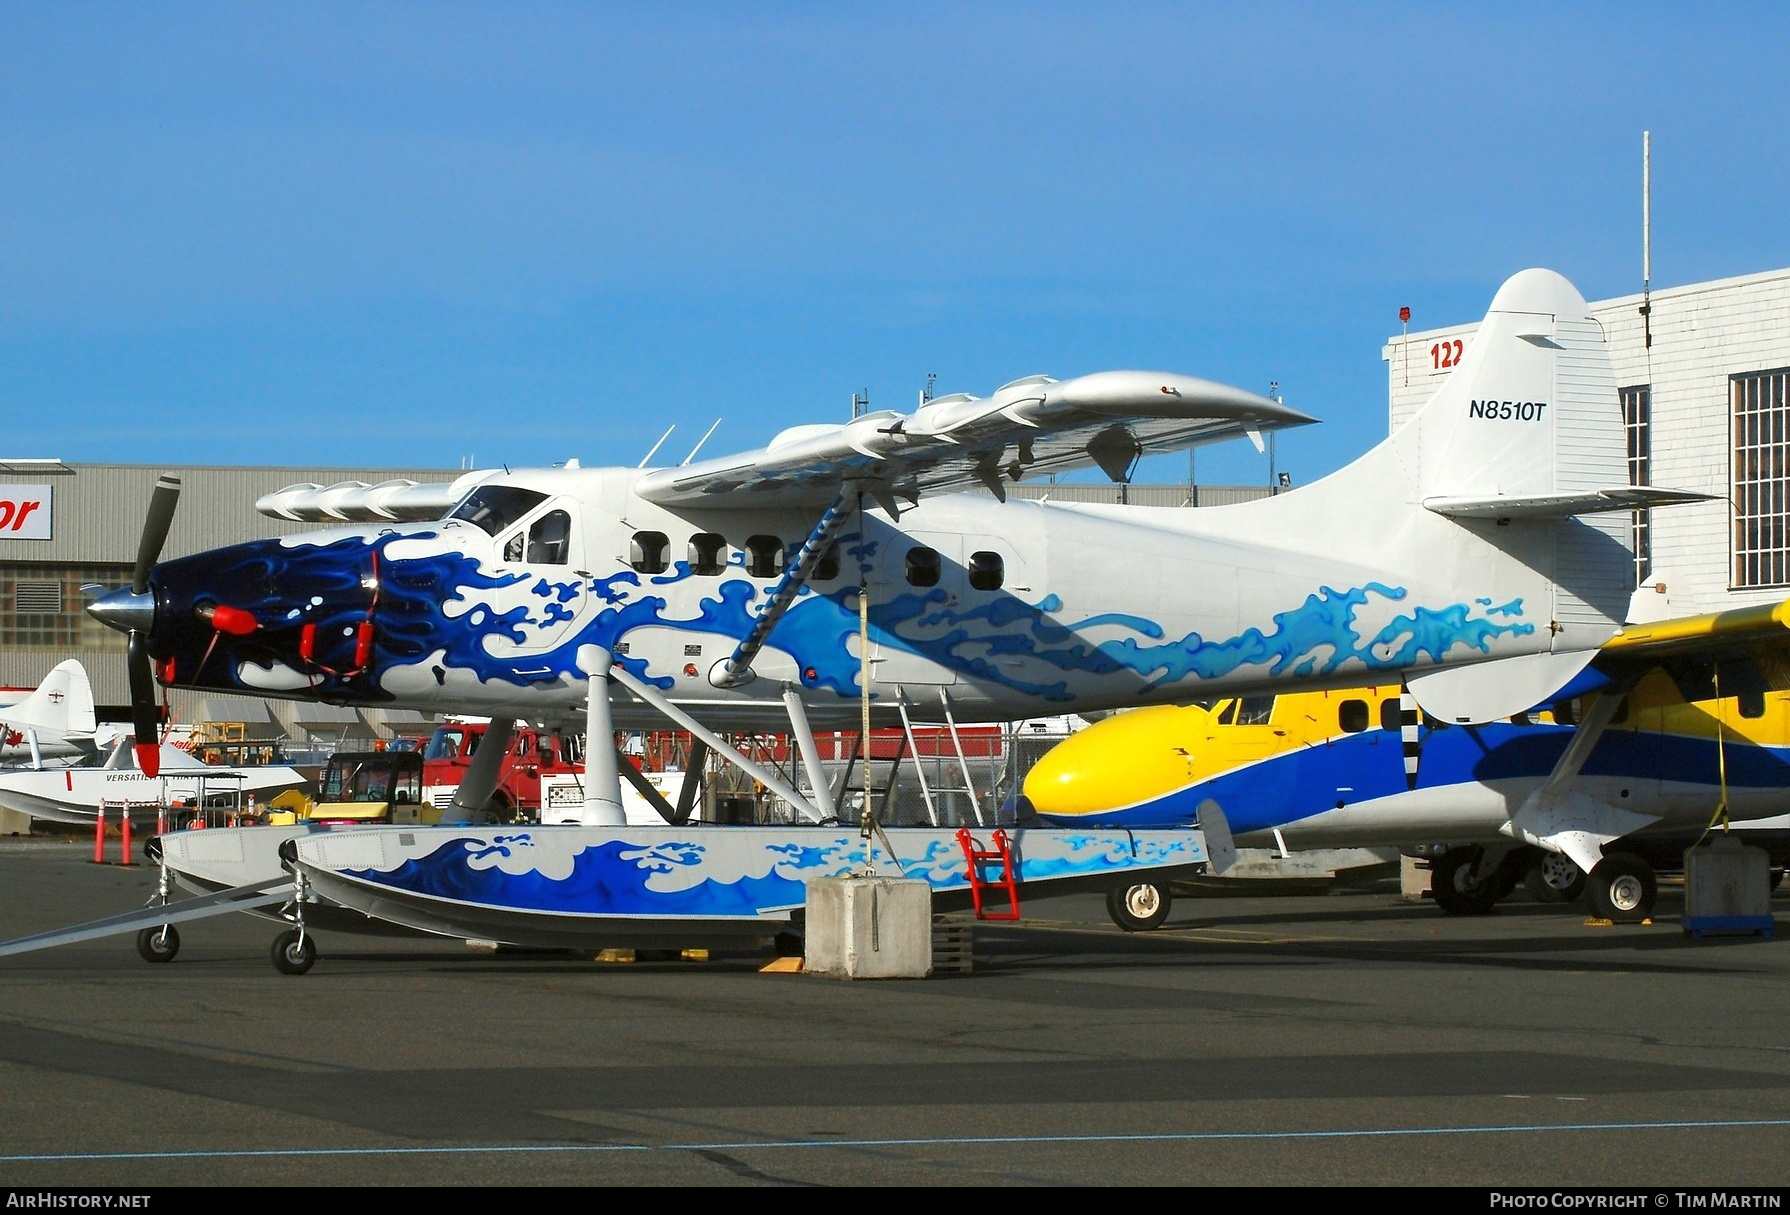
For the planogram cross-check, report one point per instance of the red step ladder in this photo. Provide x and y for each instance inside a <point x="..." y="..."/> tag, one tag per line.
<point x="977" y="856"/>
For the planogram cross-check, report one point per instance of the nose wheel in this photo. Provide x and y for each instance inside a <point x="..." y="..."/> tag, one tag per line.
<point x="158" y="944"/>
<point x="294" y="952"/>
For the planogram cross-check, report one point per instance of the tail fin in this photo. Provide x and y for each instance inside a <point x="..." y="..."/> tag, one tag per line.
<point x="62" y="704"/>
<point x="1489" y="510"/>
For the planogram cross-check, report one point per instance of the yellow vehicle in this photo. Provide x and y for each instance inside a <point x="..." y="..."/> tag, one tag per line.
<point x="363" y="787"/>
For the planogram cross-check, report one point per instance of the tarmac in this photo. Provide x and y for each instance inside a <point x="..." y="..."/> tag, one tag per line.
<point x="1338" y="1039"/>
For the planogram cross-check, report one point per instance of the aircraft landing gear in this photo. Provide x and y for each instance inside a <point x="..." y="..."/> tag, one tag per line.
<point x="1139" y="907"/>
<point x="158" y="944"/>
<point x="1458" y="887"/>
<point x="1622" y="889"/>
<point x="1554" y="879"/>
<point x="294" y="952"/>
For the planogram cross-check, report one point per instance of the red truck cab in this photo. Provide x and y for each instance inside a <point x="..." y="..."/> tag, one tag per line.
<point x="532" y="754"/>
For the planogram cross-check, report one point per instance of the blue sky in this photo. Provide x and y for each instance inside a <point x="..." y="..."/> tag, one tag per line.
<point x="406" y="234"/>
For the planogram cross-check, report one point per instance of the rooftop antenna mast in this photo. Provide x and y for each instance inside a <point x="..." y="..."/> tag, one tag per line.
<point x="860" y="403"/>
<point x="1273" y="395"/>
<point x="932" y="379"/>
<point x="1647" y="237"/>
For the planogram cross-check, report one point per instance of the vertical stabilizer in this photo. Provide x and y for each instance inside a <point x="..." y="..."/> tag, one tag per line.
<point x="62" y="704"/>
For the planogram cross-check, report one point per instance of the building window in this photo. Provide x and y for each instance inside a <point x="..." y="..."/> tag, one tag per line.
<point x="1758" y="491"/>
<point x="1637" y="412"/>
<point x="44" y="605"/>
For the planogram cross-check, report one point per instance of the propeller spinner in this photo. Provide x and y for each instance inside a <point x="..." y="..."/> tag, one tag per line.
<point x="132" y="610"/>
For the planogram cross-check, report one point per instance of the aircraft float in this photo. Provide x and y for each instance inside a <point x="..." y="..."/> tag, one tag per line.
<point x="840" y="575"/>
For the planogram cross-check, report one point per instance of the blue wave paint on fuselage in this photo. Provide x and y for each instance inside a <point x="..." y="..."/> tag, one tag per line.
<point x="436" y="602"/>
<point x="1297" y="785"/>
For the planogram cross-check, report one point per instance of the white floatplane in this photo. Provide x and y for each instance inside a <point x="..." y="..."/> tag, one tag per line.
<point x="836" y="576"/>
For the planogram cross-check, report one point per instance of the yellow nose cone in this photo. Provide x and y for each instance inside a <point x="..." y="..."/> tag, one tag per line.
<point x="1123" y="761"/>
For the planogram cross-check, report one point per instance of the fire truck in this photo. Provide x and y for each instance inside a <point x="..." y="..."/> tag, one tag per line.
<point x="533" y="754"/>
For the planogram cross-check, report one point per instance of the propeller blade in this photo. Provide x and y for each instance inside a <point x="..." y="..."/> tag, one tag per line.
<point x="144" y="723"/>
<point x="155" y="530"/>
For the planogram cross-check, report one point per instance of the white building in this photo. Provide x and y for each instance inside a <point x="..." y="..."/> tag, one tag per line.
<point x="1707" y="410"/>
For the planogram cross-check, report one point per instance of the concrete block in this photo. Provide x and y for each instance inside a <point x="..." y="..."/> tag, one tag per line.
<point x="1727" y="888"/>
<point x="868" y="928"/>
<point x="1413" y="877"/>
<point x="14" y="823"/>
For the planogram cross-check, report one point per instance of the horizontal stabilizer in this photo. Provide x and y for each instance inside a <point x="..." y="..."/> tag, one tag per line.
<point x="1562" y="505"/>
<point x="1487" y="691"/>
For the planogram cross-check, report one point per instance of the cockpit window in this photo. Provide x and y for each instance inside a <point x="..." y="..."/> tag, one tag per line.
<point x="549" y="539"/>
<point x="495" y="507"/>
<point x="1255" y="710"/>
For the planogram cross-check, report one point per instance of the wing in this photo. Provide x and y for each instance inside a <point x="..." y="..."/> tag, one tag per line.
<point x="1030" y="427"/>
<point x="1748" y="630"/>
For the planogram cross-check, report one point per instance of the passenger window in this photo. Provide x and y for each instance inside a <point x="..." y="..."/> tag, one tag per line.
<point x="708" y="554"/>
<point x="1390" y="718"/>
<point x="1255" y="710"/>
<point x="764" y="556"/>
<point x="827" y="568"/>
<point x="1352" y="716"/>
<point x="1566" y="713"/>
<point x="986" y="571"/>
<point x="923" y="567"/>
<point x="1750" y="702"/>
<point x="649" y="552"/>
<point x="549" y="539"/>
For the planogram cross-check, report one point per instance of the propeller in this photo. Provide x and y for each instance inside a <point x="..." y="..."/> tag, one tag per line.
<point x="132" y="611"/>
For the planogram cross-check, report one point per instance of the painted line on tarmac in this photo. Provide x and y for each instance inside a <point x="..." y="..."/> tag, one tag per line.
<point x="944" y="1141"/>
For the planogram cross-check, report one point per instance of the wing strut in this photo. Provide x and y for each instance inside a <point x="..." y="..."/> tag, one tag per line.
<point x="1562" y="819"/>
<point x="738" y="668"/>
<point x="765" y="776"/>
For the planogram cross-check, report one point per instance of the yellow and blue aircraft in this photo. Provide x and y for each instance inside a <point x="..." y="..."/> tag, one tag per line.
<point x="1591" y="792"/>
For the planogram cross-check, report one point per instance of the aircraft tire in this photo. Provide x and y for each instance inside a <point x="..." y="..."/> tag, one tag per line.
<point x="1554" y="879"/>
<point x="1622" y="889"/>
<point x="291" y="955"/>
<point x="158" y="944"/>
<point x="1140" y="906"/>
<point x="1454" y="890"/>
